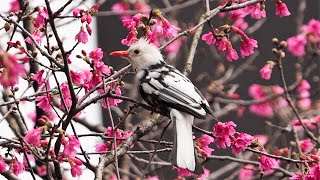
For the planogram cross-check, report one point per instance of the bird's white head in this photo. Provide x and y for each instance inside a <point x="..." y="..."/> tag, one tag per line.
<point x="141" y="54"/>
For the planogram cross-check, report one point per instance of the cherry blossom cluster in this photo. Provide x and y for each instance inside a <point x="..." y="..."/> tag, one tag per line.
<point x="86" y="19"/>
<point x="118" y="133"/>
<point x="257" y="11"/>
<point x="12" y="68"/>
<point x="307" y="41"/>
<point x="155" y="28"/>
<point x="68" y="154"/>
<point x="266" y="109"/>
<point x="226" y="136"/>
<point x="220" y="37"/>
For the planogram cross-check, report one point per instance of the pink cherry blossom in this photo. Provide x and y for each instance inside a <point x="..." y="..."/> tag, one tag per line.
<point x="255" y="11"/>
<point x="41" y="17"/>
<point x="44" y="102"/>
<point x="154" y="34"/>
<point x="296" y="45"/>
<point x="304" y="85"/>
<point x="310" y="123"/>
<point x="238" y="14"/>
<point x="130" y="39"/>
<point x="306" y="145"/>
<point x="36" y="34"/>
<point x="222" y="44"/>
<point x="77" y="77"/>
<point x="75" y="164"/>
<point x="16" y="167"/>
<point x="96" y="54"/>
<point x="91" y="80"/>
<point x="266" y="71"/>
<point x="256" y="91"/>
<point x="168" y="30"/>
<point x="70" y="146"/>
<point x="76" y="171"/>
<point x="240" y="142"/>
<point x="203" y="144"/>
<point x="246" y="172"/>
<point x="33" y="136"/>
<point x="77" y="11"/>
<point x="231" y="53"/>
<point x="142" y="6"/>
<point x="95" y="7"/>
<point x="66" y="96"/>
<point x="209" y="38"/>
<point x="118" y="134"/>
<point x="313" y="27"/>
<point x="282" y="152"/>
<point x="14" y="6"/>
<point x="267" y="163"/>
<point x="2" y="165"/>
<point x="173" y="48"/>
<point x="112" y="101"/>
<point x="282" y="9"/>
<point x="297" y="176"/>
<point x="263" y="139"/>
<point x="183" y="172"/>
<point x="247" y="46"/>
<point x="263" y="110"/>
<point x="86" y="18"/>
<point x="204" y="175"/>
<point x="38" y="77"/>
<point x="304" y="103"/>
<point x="82" y="36"/>
<point x="101" y="147"/>
<point x="42" y="170"/>
<point x="121" y="7"/>
<point x="241" y="24"/>
<point x="11" y="69"/>
<point x="132" y="23"/>
<point x="223" y="131"/>
<point x="100" y="68"/>
<point x="314" y="173"/>
<point x="30" y="158"/>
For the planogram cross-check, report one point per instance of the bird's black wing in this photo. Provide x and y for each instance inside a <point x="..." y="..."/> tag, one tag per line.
<point x="166" y="86"/>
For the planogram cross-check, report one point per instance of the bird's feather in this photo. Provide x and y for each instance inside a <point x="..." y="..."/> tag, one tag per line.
<point x="171" y="87"/>
<point x="183" y="153"/>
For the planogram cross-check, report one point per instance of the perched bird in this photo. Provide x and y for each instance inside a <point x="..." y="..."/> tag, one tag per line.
<point x="166" y="88"/>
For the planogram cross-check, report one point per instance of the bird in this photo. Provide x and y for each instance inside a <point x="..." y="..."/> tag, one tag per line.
<point x="164" y="87"/>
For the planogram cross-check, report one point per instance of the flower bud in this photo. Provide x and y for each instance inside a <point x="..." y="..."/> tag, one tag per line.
<point x="283" y="44"/>
<point x="83" y="52"/>
<point x="281" y="54"/>
<point x="274" y="50"/>
<point x="275" y="41"/>
<point x="6" y="27"/>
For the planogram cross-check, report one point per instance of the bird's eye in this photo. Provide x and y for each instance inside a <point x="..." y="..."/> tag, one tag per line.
<point x="136" y="51"/>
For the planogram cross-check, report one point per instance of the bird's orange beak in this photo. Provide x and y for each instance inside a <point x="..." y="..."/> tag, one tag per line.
<point x="119" y="53"/>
